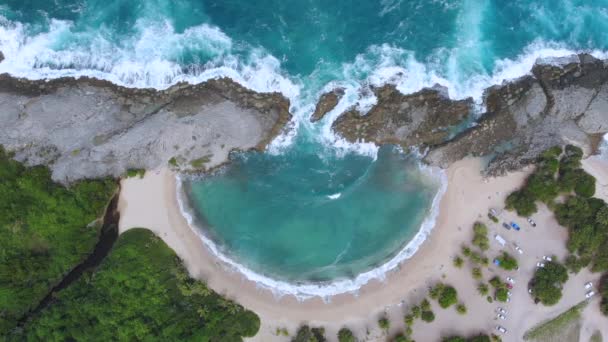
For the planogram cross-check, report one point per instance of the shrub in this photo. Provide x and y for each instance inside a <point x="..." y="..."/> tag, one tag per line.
<point x="501" y="294"/>
<point x="416" y="311"/>
<point x="477" y="275"/>
<point x="585" y="184"/>
<point x="466" y="251"/>
<point x="480" y="236"/>
<point x="461" y="309"/>
<point x="522" y="202"/>
<point x="136" y="173"/>
<point x="384" y="323"/>
<point x="507" y="262"/>
<point x="483" y="289"/>
<point x="436" y="291"/>
<point x="546" y="285"/>
<point x="427" y="316"/>
<point x="448" y="297"/>
<point x="425" y="305"/>
<point x="345" y="335"/>
<point x="493" y="218"/>
<point x="173" y="162"/>
<point x="603" y="289"/>
<point x="458" y="262"/>
<point x="408" y="319"/>
<point x="306" y="334"/>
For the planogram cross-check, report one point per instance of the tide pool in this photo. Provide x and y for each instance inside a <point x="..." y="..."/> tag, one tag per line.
<point x="302" y="217"/>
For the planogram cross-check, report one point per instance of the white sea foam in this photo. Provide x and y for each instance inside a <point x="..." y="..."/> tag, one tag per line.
<point x="334" y="196"/>
<point x="325" y="290"/>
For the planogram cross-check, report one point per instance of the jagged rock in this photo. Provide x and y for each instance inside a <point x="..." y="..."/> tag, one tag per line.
<point x="327" y="102"/>
<point x="86" y="128"/>
<point x="422" y="118"/>
<point x="558" y="104"/>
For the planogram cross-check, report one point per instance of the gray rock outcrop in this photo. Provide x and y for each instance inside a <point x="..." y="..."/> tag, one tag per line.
<point x="421" y="118"/>
<point x="555" y="105"/>
<point x="86" y="128"/>
<point x="327" y="102"/>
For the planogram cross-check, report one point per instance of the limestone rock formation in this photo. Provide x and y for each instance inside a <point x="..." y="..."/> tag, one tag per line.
<point x="86" y="128"/>
<point x="327" y="102"/>
<point x="421" y="118"/>
<point x="557" y="104"/>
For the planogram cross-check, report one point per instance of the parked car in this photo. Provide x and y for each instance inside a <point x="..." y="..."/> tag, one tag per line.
<point x="493" y="212"/>
<point x="496" y="262"/>
<point x="530" y="291"/>
<point x="501" y="310"/>
<point x="540" y="264"/>
<point x="588" y="286"/>
<point x="590" y="294"/>
<point x="503" y="317"/>
<point x="511" y="280"/>
<point x="501" y="329"/>
<point x="506" y="226"/>
<point x="509" y="294"/>
<point x="547" y="258"/>
<point x="519" y="250"/>
<point x="515" y="226"/>
<point x="531" y="222"/>
<point x="509" y="286"/>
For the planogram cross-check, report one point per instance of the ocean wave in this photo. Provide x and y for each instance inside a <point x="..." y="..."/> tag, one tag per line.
<point x="324" y="290"/>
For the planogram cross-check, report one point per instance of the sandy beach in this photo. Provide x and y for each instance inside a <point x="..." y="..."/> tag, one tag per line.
<point x="151" y="202"/>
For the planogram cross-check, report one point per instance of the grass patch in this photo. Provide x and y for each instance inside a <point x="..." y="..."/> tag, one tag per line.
<point x="555" y="326"/>
<point x="199" y="163"/>
<point x="136" y="173"/>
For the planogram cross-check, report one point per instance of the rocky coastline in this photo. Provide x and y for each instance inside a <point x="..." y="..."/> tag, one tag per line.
<point x="87" y="128"/>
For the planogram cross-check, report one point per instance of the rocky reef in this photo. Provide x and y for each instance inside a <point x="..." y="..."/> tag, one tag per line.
<point x="562" y="102"/>
<point x="327" y="102"/>
<point x="87" y="128"/>
<point x="421" y="118"/>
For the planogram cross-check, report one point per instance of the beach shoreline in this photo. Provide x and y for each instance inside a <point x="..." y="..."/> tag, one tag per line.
<point x="152" y="202"/>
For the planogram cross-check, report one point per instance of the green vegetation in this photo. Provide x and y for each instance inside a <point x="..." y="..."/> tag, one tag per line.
<point x="483" y="289"/>
<point x="596" y="337"/>
<point x="307" y="334"/>
<point x="384" y="323"/>
<point x="546" y="285"/>
<point x="401" y="338"/>
<point x="427" y="316"/>
<point x="345" y="335"/>
<point x="603" y="289"/>
<point x="136" y="173"/>
<point x="507" y="262"/>
<point x="478" y="338"/>
<point x="493" y="218"/>
<point x="141" y="291"/>
<point x="480" y="237"/>
<point x="585" y="217"/>
<point x="477" y="274"/>
<point x="173" y="162"/>
<point x="46" y="230"/>
<point x="461" y="309"/>
<point x="199" y="163"/>
<point x="447" y="297"/>
<point x="458" y="262"/>
<point x="501" y="293"/>
<point x="555" y="326"/>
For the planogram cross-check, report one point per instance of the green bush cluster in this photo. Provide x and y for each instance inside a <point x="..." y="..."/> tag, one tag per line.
<point x="603" y="289"/>
<point x="546" y="285"/>
<point x="141" y="291"/>
<point x="307" y="334"/>
<point x="346" y="335"/>
<point x="46" y="230"/>
<point x="445" y="295"/>
<point x="136" y="173"/>
<point x="507" y="261"/>
<point x="552" y="177"/>
<point x="478" y="338"/>
<point x="480" y="236"/>
<point x="500" y="289"/>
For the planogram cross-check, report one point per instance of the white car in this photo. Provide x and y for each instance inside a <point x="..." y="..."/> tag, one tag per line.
<point x="530" y="291"/>
<point x="519" y="250"/>
<point x="503" y="317"/>
<point x="531" y="222"/>
<point x="511" y="280"/>
<point x="588" y="286"/>
<point x="502" y="311"/>
<point x="501" y="329"/>
<point x="590" y="294"/>
<point x="540" y="264"/>
<point x="508" y="299"/>
<point x="509" y="294"/>
<point x="547" y="258"/>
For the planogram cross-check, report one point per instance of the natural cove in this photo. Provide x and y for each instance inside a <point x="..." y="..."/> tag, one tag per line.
<point x="313" y="216"/>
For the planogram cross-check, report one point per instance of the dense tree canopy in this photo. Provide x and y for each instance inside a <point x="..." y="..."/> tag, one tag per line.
<point x="546" y="285"/>
<point x="46" y="230"/>
<point x="141" y="291"/>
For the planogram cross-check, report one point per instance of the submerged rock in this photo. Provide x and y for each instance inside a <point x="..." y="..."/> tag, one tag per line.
<point x="421" y="118"/>
<point x="557" y="104"/>
<point x="327" y="102"/>
<point x="85" y="128"/>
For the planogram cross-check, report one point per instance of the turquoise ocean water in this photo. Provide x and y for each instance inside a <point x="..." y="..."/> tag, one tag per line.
<point x="313" y="209"/>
